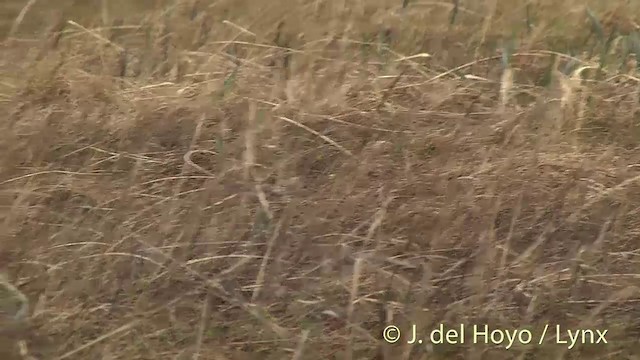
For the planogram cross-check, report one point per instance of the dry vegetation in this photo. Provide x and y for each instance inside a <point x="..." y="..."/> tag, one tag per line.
<point x="243" y="179"/>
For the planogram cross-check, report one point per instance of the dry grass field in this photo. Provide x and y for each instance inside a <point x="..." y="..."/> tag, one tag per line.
<point x="243" y="179"/>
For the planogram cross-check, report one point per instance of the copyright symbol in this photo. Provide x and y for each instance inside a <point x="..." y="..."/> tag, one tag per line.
<point x="391" y="334"/>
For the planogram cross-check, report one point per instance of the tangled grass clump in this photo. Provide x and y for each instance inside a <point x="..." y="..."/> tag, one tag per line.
<point x="238" y="180"/>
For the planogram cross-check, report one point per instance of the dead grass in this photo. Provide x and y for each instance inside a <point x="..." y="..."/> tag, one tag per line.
<point x="282" y="180"/>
